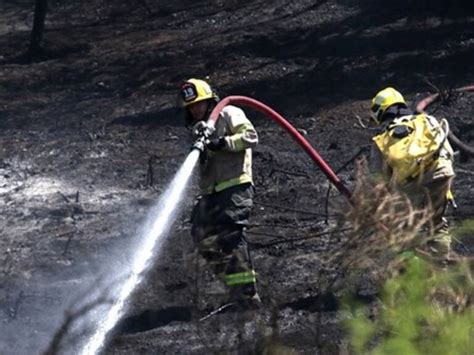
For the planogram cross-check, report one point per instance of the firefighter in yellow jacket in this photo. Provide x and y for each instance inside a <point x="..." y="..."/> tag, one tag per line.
<point x="221" y="213"/>
<point x="412" y="148"/>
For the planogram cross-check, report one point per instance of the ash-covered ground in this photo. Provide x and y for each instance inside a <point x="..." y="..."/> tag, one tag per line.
<point x="91" y="136"/>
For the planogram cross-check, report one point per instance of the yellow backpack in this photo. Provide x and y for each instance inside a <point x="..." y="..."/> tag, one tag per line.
<point x="411" y="144"/>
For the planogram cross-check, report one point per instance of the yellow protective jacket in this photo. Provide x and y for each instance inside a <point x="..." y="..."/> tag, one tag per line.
<point x="231" y="165"/>
<point x="386" y="150"/>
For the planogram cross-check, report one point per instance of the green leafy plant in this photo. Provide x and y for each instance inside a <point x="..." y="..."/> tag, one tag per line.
<point x="422" y="310"/>
<point x="419" y="306"/>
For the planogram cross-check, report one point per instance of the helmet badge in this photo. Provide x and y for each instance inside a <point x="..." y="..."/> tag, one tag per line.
<point x="189" y="92"/>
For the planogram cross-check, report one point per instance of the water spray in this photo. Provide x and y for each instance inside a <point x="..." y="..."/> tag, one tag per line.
<point x="163" y="215"/>
<point x="152" y="239"/>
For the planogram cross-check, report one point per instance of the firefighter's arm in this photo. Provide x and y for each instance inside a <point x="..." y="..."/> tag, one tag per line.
<point x="242" y="133"/>
<point x="379" y="171"/>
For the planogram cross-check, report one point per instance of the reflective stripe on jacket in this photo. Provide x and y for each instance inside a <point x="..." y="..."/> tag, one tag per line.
<point x="233" y="164"/>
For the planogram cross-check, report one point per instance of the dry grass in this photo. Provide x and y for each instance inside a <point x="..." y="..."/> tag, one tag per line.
<point x="412" y="293"/>
<point x="384" y="224"/>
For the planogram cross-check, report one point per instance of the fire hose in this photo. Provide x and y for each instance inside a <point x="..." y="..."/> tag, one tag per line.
<point x="246" y="101"/>
<point x="314" y="155"/>
<point x="423" y="104"/>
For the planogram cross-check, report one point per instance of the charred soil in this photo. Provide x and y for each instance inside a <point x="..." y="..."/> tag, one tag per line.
<point x="90" y="136"/>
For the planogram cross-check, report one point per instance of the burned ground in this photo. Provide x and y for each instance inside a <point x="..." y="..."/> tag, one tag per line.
<point x="90" y="137"/>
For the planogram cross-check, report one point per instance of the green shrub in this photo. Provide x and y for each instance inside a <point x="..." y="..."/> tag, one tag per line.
<point x="422" y="310"/>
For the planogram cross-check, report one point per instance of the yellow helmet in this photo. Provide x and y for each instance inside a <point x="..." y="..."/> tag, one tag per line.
<point x="383" y="100"/>
<point x="195" y="90"/>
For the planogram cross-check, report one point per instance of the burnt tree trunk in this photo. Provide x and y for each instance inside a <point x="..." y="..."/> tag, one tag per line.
<point x="36" y="40"/>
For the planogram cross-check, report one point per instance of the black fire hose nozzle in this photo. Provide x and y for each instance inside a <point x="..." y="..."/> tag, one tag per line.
<point x="199" y="145"/>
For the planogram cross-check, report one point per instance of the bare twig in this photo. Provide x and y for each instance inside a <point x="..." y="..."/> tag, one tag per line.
<point x="14" y="310"/>
<point x="359" y="119"/>
<point x="102" y="129"/>
<point x="55" y="346"/>
<point x="200" y="332"/>
<point x="63" y="196"/>
<point x="288" y="209"/>
<point x="265" y="234"/>
<point x="351" y="160"/>
<point x="464" y="171"/>
<point x="286" y="172"/>
<point x="430" y="84"/>
<point x="66" y="247"/>
<point x="7" y="263"/>
<point x="284" y="226"/>
<point x="290" y="240"/>
<point x="217" y="311"/>
<point x="149" y="180"/>
<point x="91" y="136"/>
<point x="446" y="95"/>
<point x="461" y="244"/>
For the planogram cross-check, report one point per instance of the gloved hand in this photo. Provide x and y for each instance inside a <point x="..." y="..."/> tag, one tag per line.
<point x="216" y="143"/>
<point x="201" y="129"/>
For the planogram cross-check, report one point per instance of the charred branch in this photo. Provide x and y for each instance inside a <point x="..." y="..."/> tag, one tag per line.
<point x="36" y="39"/>
<point x="446" y="96"/>
<point x="65" y="198"/>
<point x="150" y="175"/>
<point x="68" y="242"/>
<point x="71" y="317"/>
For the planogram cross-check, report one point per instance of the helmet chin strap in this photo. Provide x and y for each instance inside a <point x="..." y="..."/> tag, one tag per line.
<point x="210" y="106"/>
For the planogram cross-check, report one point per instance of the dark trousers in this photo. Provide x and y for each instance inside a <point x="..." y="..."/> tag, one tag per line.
<point x="218" y="229"/>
